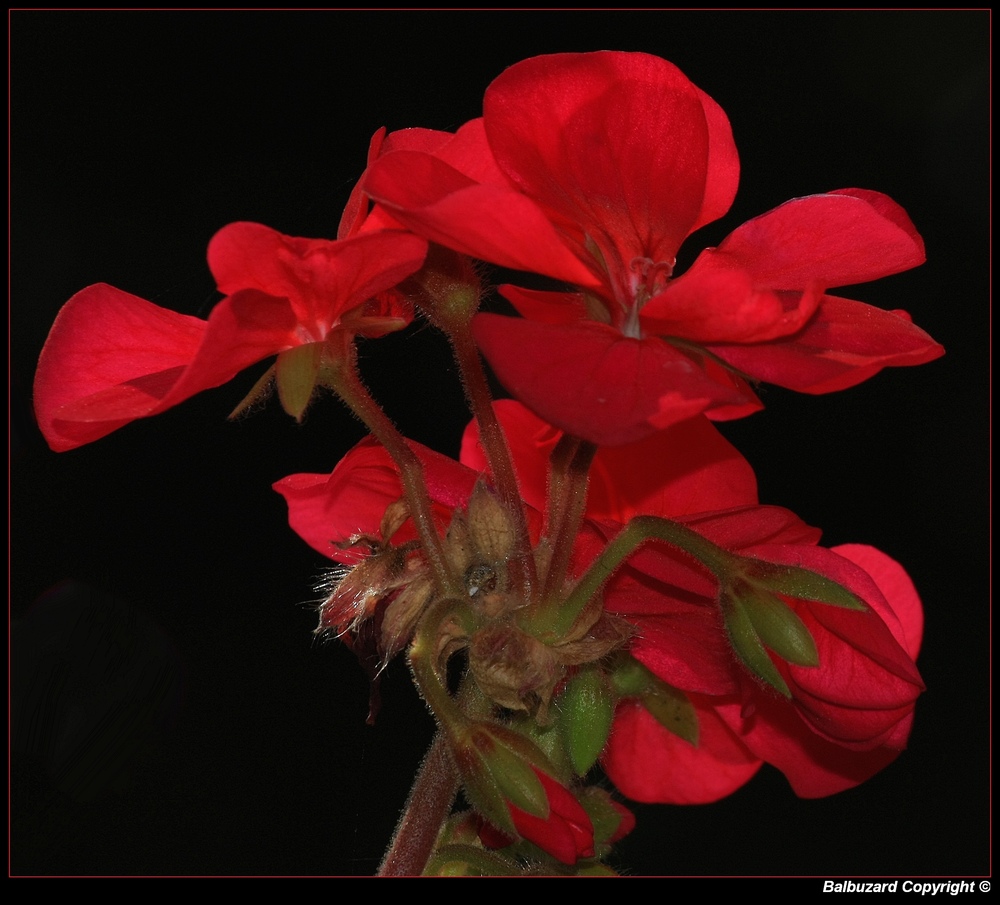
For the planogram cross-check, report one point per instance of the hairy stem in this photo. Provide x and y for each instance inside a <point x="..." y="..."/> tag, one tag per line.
<point x="342" y="375"/>
<point x="638" y="531"/>
<point x="494" y="443"/>
<point x="427" y="808"/>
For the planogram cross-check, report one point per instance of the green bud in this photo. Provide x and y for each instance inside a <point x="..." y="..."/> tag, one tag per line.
<point x="497" y="765"/>
<point x="585" y="708"/>
<point x="448" y="288"/>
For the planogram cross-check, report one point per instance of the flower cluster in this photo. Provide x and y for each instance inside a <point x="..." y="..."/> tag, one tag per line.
<point x="596" y="557"/>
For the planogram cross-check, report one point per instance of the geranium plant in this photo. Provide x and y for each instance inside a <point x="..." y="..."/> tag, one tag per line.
<point x="590" y="587"/>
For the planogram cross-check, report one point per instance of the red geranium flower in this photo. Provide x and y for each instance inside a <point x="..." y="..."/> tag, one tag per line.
<point x="593" y="168"/>
<point x="112" y="357"/>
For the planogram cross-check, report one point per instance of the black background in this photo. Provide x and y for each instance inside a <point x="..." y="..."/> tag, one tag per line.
<point x="173" y="715"/>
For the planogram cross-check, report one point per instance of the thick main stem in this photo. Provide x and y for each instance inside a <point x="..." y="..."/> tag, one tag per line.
<point x="427" y="808"/>
<point x="437" y="782"/>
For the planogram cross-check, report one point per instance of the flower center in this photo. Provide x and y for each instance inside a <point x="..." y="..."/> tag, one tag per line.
<point x="646" y="279"/>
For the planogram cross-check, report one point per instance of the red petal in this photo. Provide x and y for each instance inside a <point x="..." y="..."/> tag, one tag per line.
<point x="567" y="833"/>
<point x="547" y="307"/>
<point x="594" y="383"/>
<point x="105" y="340"/>
<point x="837" y="239"/>
<point x="112" y="357"/>
<point x="723" y="174"/>
<point x="322" y="279"/>
<point x="485" y="221"/>
<point x="681" y="638"/>
<point x="686" y="468"/>
<point x="615" y="143"/>
<point x="740" y="529"/>
<point x="717" y="304"/>
<point x="844" y="344"/>
<point x="326" y="510"/>
<point x="649" y="763"/>
<point x="814" y="766"/>
<point x="356" y="209"/>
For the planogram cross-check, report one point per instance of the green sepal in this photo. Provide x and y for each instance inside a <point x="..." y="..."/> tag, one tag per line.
<point x="497" y="765"/>
<point x="669" y="706"/>
<point x="605" y="817"/>
<point x="258" y="393"/>
<point x="673" y="711"/>
<point x="296" y="371"/>
<point x="781" y="630"/>
<point x="802" y="584"/>
<point x="585" y="710"/>
<point x="746" y="643"/>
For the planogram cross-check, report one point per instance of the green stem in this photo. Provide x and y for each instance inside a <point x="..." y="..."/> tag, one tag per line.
<point x="423" y="657"/>
<point x="566" y="514"/>
<point x="637" y="532"/>
<point x="342" y="375"/>
<point x="480" y="399"/>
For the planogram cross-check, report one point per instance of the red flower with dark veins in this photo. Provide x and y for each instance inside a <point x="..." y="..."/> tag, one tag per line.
<point x="593" y="169"/>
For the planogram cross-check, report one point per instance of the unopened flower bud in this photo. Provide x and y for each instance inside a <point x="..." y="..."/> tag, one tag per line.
<point x="585" y="709"/>
<point x="512" y="784"/>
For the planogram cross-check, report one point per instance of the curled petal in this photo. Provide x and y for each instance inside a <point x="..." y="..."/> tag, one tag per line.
<point x="836" y="239"/>
<point x="897" y="588"/>
<point x="486" y="221"/>
<point x="814" y="766"/>
<point x="866" y="683"/>
<point x="845" y="343"/>
<point x="712" y="304"/>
